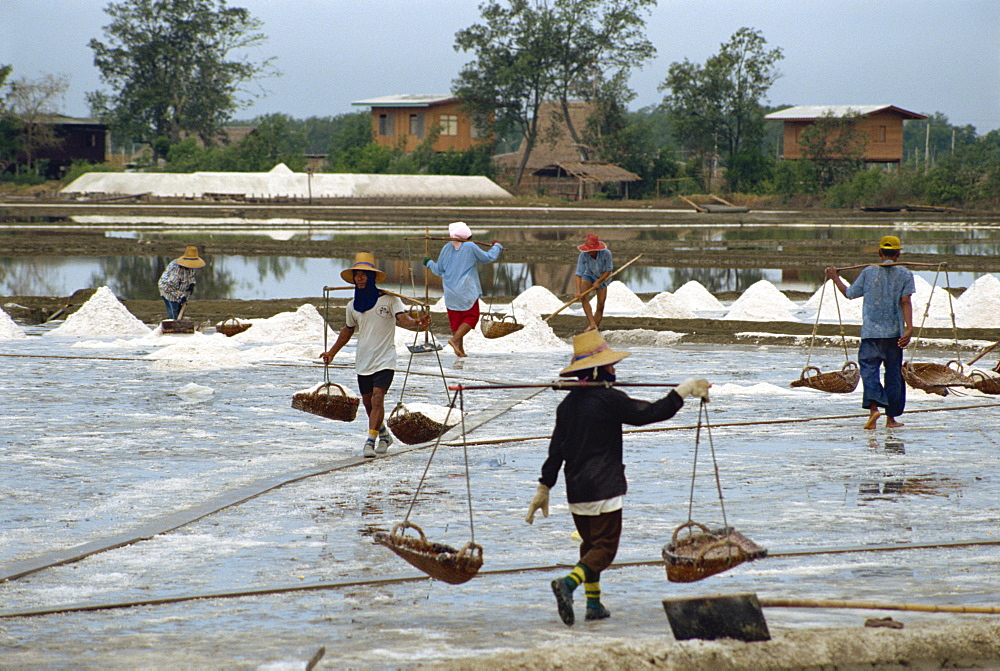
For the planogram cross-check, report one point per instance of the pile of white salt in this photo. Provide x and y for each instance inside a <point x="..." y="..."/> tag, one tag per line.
<point x="667" y="306"/>
<point x="303" y="325"/>
<point x="9" y="330"/>
<point x="698" y="298"/>
<point x="102" y="315"/>
<point x="979" y="305"/>
<point x="762" y="302"/>
<point x="620" y="299"/>
<point x="537" y="299"/>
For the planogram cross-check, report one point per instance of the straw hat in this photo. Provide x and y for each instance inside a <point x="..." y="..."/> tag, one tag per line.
<point x="459" y="230"/>
<point x="591" y="351"/>
<point x="363" y="261"/>
<point x="890" y="242"/>
<point x="592" y="244"/>
<point x="191" y="258"/>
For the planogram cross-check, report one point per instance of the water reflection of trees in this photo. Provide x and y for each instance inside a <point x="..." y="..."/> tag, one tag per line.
<point x="716" y="279"/>
<point x="30" y="277"/>
<point x="135" y="277"/>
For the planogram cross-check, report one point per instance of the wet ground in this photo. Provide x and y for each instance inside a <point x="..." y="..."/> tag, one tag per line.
<point x="98" y="444"/>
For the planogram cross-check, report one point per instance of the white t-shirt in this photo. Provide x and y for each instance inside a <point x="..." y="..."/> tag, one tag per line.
<point x="376" y="331"/>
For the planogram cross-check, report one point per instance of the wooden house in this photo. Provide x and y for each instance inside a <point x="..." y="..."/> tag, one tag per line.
<point x="407" y="120"/>
<point x="75" y="140"/>
<point x="881" y="129"/>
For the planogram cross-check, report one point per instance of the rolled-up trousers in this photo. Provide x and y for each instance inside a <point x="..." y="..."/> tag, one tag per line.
<point x="600" y="534"/>
<point x="876" y="353"/>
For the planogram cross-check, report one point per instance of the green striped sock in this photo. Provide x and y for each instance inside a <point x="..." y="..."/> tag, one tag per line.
<point x="576" y="576"/>
<point x="593" y="590"/>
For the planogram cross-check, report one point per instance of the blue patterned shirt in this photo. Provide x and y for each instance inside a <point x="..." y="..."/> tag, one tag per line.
<point x="175" y="281"/>
<point x="882" y="288"/>
<point x="590" y="268"/>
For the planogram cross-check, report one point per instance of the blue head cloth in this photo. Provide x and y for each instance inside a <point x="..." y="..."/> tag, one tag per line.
<point x="602" y="375"/>
<point x="364" y="299"/>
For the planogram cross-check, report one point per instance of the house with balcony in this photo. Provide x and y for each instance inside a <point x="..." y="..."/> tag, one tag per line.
<point x="407" y="120"/>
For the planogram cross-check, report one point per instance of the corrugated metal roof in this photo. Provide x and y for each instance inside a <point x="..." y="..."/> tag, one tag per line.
<point x="406" y="100"/>
<point x="805" y="112"/>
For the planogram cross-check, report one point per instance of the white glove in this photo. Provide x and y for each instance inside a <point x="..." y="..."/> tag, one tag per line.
<point x="694" y="387"/>
<point x="539" y="502"/>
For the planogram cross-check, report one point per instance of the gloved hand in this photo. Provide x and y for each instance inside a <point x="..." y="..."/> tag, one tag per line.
<point x="539" y="502"/>
<point x="183" y="300"/>
<point x="694" y="387"/>
<point x="427" y="260"/>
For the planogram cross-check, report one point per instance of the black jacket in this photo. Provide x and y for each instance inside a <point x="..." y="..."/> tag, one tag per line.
<point x="588" y="439"/>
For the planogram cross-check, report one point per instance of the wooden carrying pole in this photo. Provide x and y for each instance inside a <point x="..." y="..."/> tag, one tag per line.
<point x="429" y="237"/>
<point x="384" y="291"/>
<point x="900" y="263"/>
<point x="560" y="384"/>
<point x="593" y="288"/>
<point x="876" y="605"/>
<point x="983" y="353"/>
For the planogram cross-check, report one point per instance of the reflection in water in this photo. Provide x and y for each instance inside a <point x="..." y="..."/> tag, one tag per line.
<point x="136" y="277"/>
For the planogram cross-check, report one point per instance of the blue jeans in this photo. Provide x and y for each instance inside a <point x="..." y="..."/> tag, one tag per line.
<point x="173" y="308"/>
<point x="873" y="354"/>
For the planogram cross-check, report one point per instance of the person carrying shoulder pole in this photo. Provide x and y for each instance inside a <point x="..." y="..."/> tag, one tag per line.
<point x="886" y="328"/>
<point x="456" y="265"/>
<point x="374" y="315"/>
<point x="593" y="267"/>
<point x="587" y="445"/>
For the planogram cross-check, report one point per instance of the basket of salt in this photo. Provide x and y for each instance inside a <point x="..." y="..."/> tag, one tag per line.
<point x="842" y="381"/>
<point x="985" y="383"/>
<point x="704" y="553"/>
<point x="321" y="400"/>
<point x="419" y="423"/>
<point x="232" y="326"/>
<point x="935" y="378"/>
<point x="495" y="326"/>
<point x="439" y="561"/>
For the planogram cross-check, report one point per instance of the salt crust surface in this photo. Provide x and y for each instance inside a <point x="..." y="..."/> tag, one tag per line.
<point x="641" y="338"/>
<point x="435" y="413"/>
<point x="698" y="298"/>
<point x="666" y="305"/>
<point x="621" y="299"/>
<point x="9" y="330"/>
<point x="101" y="315"/>
<point x="537" y="299"/>
<point x="333" y="391"/>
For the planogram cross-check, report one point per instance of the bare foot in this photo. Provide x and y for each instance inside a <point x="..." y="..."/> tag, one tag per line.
<point x="873" y="420"/>
<point x="892" y="423"/>
<point x="458" y="350"/>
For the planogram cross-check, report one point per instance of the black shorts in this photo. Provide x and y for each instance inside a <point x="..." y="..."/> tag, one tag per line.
<point x="381" y="379"/>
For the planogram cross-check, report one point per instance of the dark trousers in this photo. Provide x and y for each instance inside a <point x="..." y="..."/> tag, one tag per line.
<point x="600" y="534"/>
<point x="173" y="308"/>
<point x="876" y="353"/>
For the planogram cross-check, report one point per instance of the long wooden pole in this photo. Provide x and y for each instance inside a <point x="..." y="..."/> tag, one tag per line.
<point x="984" y="353"/>
<point x="593" y="288"/>
<point x="384" y="291"/>
<point x="560" y="384"/>
<point x="876" y="605"/>
<point x="898" y="263"/>
<point x="429" y="237"/>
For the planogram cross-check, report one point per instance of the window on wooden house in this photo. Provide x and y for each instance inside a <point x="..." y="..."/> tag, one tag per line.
<point x="449" y="124"/>
<point x="417" y="125"/>
<point x="879" y="132"/>
<point x="385" y="124"/>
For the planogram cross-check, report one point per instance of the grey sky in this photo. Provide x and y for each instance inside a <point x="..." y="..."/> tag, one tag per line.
<point x="922" y="55"/>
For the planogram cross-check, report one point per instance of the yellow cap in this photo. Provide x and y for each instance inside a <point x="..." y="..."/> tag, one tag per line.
<point x="889" y="242"/>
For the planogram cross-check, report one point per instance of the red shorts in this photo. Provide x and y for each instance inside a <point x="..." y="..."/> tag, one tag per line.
<point x="470" y="317"/>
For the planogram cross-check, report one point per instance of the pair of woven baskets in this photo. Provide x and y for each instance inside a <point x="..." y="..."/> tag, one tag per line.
<point x="704" y="553"/>
<point x="494" y="326"/>
<point x="985" y="383"/>
<point x="842" y="381"/>
<point x="936" y="378"/>
<point x="323" y="402"/>
<point x="414" y="427"/>
<point x="232" y="326"/>
<point x="437" y="560"/>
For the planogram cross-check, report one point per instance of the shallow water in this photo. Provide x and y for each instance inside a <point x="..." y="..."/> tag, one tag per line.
<point x="94" y="446"/>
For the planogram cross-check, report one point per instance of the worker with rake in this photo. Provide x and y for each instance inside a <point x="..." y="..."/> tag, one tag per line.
<point x="457" y="265"/>
<point x="587" y="445"/>
<point x="374" y="315"/>
<point x="886" y="327"/>
<point x="593" y="267"/>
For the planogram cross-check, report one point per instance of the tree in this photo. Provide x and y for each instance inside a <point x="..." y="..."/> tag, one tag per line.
<point x="943" y="140"/>
<point x="527" y="52"/>
<point x="169" y="66"/>
<point x="717" y="106"/>
<point x="836" y="146"/>
<point x="33" y="103"/>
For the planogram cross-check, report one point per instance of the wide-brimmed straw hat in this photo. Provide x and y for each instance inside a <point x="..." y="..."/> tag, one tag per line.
<point x="590" y="350"/>
<point x="363" y="261"/>
<point x="459" y="230"/>
<point x="890" y="242"/>
<point x="191" y="258"/>
<point x="592" y="244"/>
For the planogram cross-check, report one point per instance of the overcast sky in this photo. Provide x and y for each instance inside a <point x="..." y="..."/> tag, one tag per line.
<point x="921" y="55"/>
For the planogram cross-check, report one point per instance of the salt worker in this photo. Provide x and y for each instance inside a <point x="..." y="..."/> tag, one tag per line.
<point x="593" y="267"/>
<point x="456" y="264"/>
<point x="177" y="281"/>
<point x="886" y="328"/>
<point x="374" y="315"/>
<point x="587" y="445"/>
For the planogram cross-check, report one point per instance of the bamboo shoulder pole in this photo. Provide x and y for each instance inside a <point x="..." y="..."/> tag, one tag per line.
<point x="593" y="288"/>
<point x="899" y="263"/>
<point x="984" y="353"/>
<point x="430" y="237"/>
<point x="876" y="605"/>
<point x="384" y="291"/>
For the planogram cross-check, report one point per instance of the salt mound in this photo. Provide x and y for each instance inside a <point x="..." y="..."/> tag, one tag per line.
<point x="761" y="292"/>
<point x="641" y="338"/>
<point x="939" y="313"/>
<point x="850" y="310"/>
<point x="537" y="299"/>
<point x="621" y="299"/>
<point x="698" y="298"/>
<point x="666" y="305"/>
<point x="102" y="315"/>
<point x="9" y="330"/>
<point x="762" y="302"/>
<point x="979" y="305"/>
<point x="440" y="306"/>
<point x="435" y="413"/>
<point x="536" y="336"/>
<point x="826" y="289"/>
<point x="303" y="325"/>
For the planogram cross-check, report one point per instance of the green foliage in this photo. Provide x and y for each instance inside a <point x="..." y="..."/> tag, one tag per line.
<point x="835" y="145"/>
<point x="22" y="178"/>
<point x="83" y="167"/>
<point x="169" y="68"/>
<point x="790" y="178"/>
<point x="275" y="139"/>
<point x="939" y="141"/>
<point x="748" y="169"/>
<point x="865" y="187"/>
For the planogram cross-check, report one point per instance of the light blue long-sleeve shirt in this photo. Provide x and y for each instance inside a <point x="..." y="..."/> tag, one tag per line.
<point x="882" y="287"/>
<point x="457" y="268"/>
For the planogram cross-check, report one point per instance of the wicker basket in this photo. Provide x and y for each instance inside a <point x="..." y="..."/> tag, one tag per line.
<point x="414" y="427"/>
<point x="440" y="562"/>
<point x="935" y="378"/>
<point x="705" y="553"/>
<point x="842" y="381"/>
<point x="177" y="326"/>
<point x="497" y="327"/>
<point x="985" y="383"/>
<point x="232" y="326"/>
<point x="332" y="406"/>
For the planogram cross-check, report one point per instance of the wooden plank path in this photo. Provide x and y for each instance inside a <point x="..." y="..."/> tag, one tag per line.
<point x="180" y="518"/>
